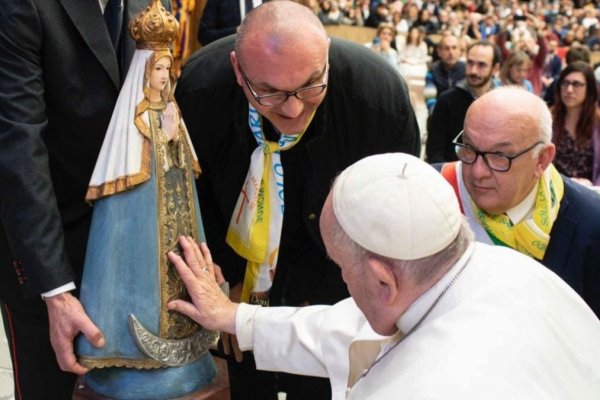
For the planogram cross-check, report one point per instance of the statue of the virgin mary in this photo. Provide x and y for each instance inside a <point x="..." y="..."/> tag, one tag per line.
<point x="144" y="199"/>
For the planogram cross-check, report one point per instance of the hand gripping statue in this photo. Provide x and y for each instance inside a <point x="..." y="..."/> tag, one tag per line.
<point x="144" y="199"/>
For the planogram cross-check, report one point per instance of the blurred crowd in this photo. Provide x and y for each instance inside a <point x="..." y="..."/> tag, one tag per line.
<point x="549" y="48"/>
<point x="539" y="28"/>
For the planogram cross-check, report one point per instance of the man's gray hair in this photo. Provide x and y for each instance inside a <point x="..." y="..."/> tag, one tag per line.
<point x="420" y="271"/>
<point x="524" y="111"/>
<point x="540" y="117"/>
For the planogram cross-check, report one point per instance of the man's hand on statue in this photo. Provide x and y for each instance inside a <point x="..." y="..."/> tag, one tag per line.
<point x="67" y="319"/>
<point x="210" y="307"/>
<point x="170" y="121"/>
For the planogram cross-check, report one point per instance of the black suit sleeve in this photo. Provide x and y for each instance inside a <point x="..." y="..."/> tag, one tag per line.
<point x="215" y="229"/>
<point x="28" y="206"/>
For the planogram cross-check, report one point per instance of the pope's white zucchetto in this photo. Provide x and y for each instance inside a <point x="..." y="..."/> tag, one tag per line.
<point x="397" y="206"/>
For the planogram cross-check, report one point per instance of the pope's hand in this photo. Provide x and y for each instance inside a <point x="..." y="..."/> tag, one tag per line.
<point x="210" y="307"/>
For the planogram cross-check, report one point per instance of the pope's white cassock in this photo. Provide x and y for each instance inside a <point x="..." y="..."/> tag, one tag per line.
<point x="507" y="328"/>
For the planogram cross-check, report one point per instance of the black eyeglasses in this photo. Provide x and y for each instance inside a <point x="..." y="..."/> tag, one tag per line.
<point x="576" y="84"/>
<point x="495" y="160"/>
<point x="275" y="99"/>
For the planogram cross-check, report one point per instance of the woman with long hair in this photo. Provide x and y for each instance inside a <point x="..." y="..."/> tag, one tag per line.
<point x="576" y="130"/>
<point x="383" y="43"/>
<point x="413" y="55"/>
<point x="515" y="70"/>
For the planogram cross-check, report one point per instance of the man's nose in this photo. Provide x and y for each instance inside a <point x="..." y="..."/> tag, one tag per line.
<point x="293" y="107"/>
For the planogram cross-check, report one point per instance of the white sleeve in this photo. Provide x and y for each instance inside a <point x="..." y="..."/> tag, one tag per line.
<point x="244" y="324"/>
<point x="310" y="340"/>
<point x="67" y="287"/>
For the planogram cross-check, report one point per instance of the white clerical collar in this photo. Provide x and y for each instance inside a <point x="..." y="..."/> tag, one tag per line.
<point x="524" y="208"/>
<point x="421" y="306"/>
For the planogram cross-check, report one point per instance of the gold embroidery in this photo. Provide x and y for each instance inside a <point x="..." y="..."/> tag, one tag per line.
<point x="139" y="363"/>
<point x="176" y="217"/>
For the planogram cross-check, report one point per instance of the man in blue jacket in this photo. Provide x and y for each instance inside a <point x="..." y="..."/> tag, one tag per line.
<point x="513" y="196"/>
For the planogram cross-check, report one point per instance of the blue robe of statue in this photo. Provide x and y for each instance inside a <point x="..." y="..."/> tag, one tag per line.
<point x="127" y="272"/>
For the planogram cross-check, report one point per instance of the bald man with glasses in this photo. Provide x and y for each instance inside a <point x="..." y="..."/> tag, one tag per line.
<point x="275" y="114"/>
<point x="513" y="196"/>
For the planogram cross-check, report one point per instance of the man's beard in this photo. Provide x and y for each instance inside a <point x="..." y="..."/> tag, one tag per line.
<point x="482" y="83"/>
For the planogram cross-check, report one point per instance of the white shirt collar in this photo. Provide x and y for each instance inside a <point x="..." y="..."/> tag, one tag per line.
<point x="524" y="208"/>
<point x="103" y="4"/>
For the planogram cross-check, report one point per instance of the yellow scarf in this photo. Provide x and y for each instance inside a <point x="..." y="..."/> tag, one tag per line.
<point x="531" y="235"/>
<point x="255" y="228"/>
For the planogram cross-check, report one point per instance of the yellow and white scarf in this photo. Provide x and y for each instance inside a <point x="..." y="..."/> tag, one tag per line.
<point x="255" y="228"/>
<point x="531" y="235"/>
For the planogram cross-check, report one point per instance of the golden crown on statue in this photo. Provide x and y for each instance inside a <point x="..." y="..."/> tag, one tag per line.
<point x="154" y="28"/>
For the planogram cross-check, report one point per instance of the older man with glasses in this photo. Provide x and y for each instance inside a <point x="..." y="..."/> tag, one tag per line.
<point x="280" y="110"/>
<point x="513" y="196"/>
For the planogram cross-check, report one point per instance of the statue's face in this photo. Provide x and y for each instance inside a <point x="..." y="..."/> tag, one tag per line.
<point x="159" y="75"/>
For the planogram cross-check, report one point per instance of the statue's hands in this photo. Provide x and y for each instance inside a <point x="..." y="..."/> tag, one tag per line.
<point x="67" y="319"/>
<point x="209" y="307"/>
<point x="170" y="121"/>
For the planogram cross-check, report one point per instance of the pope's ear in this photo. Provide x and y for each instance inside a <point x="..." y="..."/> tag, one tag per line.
<point x="388" y="289"/>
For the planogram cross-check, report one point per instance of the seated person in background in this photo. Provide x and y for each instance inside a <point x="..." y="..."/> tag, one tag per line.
<point x="489" y="27"/>
<point x="353" y="15"/>
<point x="552" y="64"/>
<point x="382" y="44"/>
<point x="446" y="121"/>
<point x="427" y="22"/>
<point x="526" y="35"/>
<point x="576" y="130"/>
<point x="413" y="55"/>
<point x="513" y="196"/>
<point x="330" y="13"/>
<point x="378" y="15"/>
<point x="446" y="72"/>
<point x="433" y="315"/>
<point x="575" y="53"/>
<point x="515" y="69"/>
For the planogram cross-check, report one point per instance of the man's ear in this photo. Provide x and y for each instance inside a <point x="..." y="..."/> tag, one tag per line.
<point x="544" y="159"/>
<point x="388" y="288"/>
<point x="236" y="68"/>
